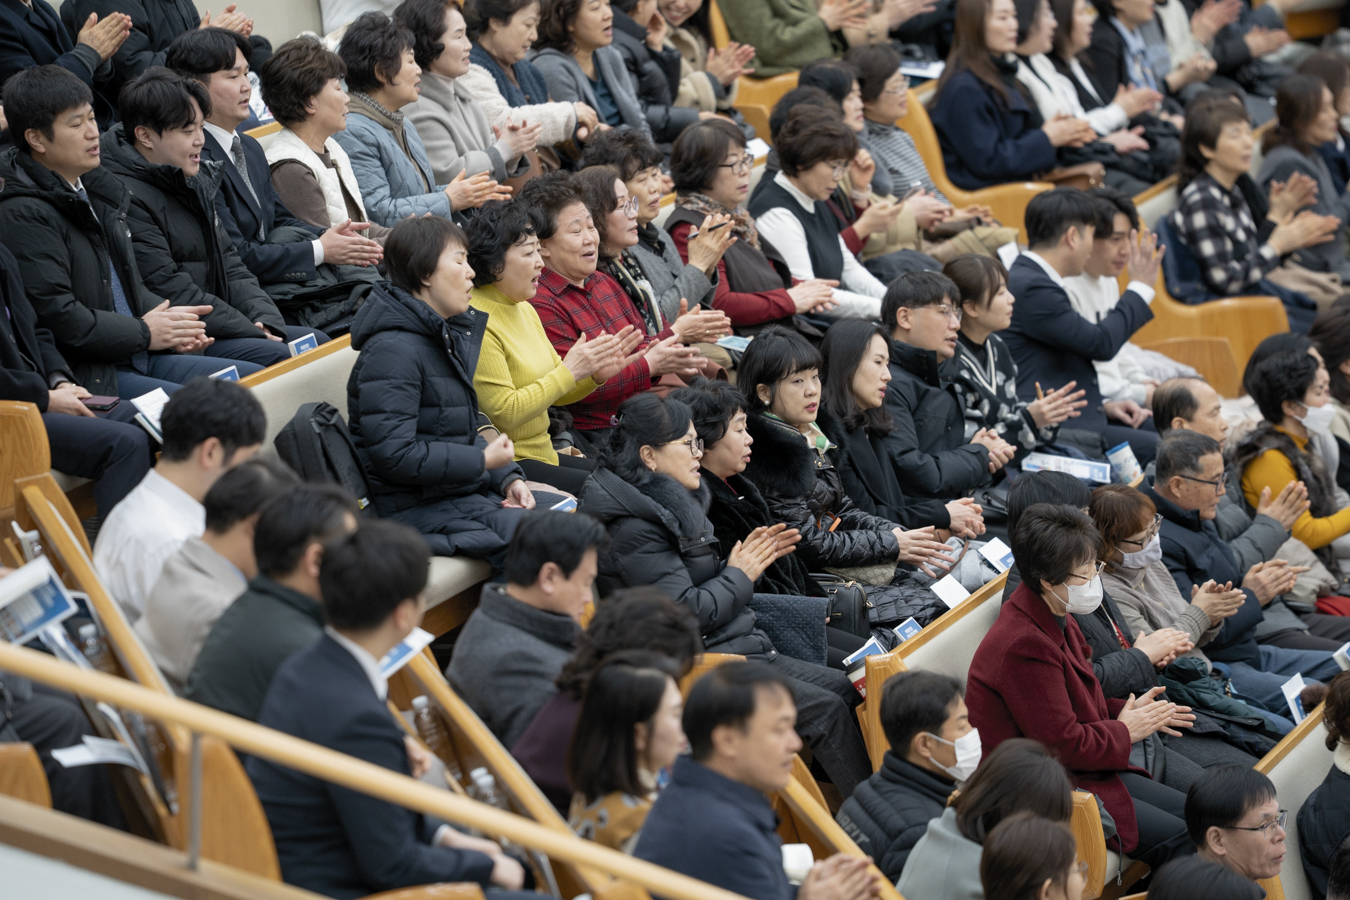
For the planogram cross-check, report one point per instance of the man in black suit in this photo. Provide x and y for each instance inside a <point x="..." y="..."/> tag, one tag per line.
<point x="248" y="205"/>
<point x="1051" y="343"/>
<point x="333" y="840"/>
<point x="31" y="34"/>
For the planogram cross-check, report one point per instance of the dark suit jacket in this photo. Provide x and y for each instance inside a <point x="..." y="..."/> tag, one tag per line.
<point x="37" y="37"/>
<point x="329" y="839"/>
<point x="1052" y="344"/>
<point x="28" y="355"/>
<point x="244" y="218"/>
<point x="986" y="140"/>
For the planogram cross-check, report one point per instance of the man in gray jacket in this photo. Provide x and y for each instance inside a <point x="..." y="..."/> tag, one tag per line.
<point x="1192" y="404"/>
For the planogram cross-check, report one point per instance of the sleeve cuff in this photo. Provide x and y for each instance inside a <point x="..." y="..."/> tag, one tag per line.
<point x="318" y="253"/>
<point x="440" y="833"/>
<point x="1145" y="292"/>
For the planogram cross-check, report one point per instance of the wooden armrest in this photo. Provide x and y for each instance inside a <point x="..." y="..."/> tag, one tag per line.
<point x="1245" y="321"/>
<point x="457" y="891"/>
<point x="1086" y="825"/>
<point x="703" y="665"/>
<point x="22" y="776"/>
<point x="23" y="447"/>
<point x="1008" y="201"/>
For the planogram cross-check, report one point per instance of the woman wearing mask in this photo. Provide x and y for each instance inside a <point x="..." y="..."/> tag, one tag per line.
<point x="1330" y="334"/>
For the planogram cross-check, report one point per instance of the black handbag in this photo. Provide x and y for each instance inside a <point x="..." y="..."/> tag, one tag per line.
<point x="848" y="606"/>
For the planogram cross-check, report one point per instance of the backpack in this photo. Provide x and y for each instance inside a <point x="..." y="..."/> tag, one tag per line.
<point x="316" y="443"/>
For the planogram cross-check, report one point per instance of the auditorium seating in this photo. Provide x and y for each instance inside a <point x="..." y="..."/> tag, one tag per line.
<point x="22" y="776"/>
<point x="1297" y="765"/>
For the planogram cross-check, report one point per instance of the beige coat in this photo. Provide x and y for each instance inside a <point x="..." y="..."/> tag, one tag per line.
<point x="696" y="86"/>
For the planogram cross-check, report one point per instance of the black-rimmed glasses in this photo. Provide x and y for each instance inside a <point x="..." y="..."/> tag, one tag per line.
<point x="740" y="166"/>
<point x="1148" y="535"/>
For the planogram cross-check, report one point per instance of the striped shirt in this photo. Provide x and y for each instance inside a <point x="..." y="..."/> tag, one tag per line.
<point x="894" y="149"/>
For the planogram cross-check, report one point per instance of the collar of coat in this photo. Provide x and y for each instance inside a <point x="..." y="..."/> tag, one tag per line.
<point x="922" y="364"/>
<point x="1309" y="466"/>
<point x="1187" y="518"/>
<point x="550" y="627"/>
<point x="782" y="463"/>
<point x="123" y="159"/>
<point x="658" y="498"/>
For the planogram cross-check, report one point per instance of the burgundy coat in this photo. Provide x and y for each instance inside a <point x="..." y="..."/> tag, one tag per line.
<point x="1033" y="678"/>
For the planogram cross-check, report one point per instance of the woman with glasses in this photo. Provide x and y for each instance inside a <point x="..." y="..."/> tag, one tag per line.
<point x="1032" y="677"/>
<point x="648" y="493"/>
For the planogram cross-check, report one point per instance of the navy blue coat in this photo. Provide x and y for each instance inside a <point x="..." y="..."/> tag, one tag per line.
<point x="154" y="25"/>
<point x="37" y="37"/>
<point x="333" y="840"/>
<point x="1194" y="553"/>
<point x="1323" y="822"/>
<point x="1053" y="345"/>
<point x="986" y="140"/>
<point x="243" y="217"/>
<point x="720" y="831"/>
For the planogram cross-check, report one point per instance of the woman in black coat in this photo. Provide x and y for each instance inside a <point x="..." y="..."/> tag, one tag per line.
<point x="411" y="405"/>
<point x="647" y="491"/>
<point x="1324" y="820"/>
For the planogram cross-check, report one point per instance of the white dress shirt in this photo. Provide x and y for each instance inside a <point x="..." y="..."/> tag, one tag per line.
<point x="859" y="293"/>
<point x="1119" y="378"/>
<point x="1145" y="292"/>
<point x="140" y="533"/>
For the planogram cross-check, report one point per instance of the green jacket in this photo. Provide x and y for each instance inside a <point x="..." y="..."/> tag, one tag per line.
<point x="786" y="34"/>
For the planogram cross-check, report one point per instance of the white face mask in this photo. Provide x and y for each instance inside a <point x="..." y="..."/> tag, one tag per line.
<point x="1317" y="419"/>
<point x="969" y="750"/>
<point x="1083" y="598"/>
<point x="1151" y="553"/>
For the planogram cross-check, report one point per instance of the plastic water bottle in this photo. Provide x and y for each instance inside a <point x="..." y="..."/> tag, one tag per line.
<point x="432" y="731"/>
<point x="95" y="649"/>
<point x="483" y="788"/>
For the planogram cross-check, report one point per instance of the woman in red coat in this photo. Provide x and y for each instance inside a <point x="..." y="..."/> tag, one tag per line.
<point x="1032" y="677"/>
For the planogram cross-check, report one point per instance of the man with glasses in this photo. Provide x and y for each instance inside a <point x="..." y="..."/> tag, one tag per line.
<point x="1235" y="820"/>
<point x="1187" y="486"/>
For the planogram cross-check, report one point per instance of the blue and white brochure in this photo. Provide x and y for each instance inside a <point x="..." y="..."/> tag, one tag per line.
<point x="907" y="629"/>
<point x="303" y="344"/>
<point x="32" y="599"/>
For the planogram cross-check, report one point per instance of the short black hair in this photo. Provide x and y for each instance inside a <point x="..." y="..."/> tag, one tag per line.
<point x="1044" y="486"/>
<point x="1330" y="333"/>
<point x="1051" y="540"/>
<point x="414" y="247"/>
<point x="160" y="100"/>
<point x="244" y="490"/>
<point x="547" y="535"/>
<point x="478" y="13"/>
<point x="834" y="77"/>
<point x="1050" y="214"/>
<point x="1221" y="796"/>
<point x="550" y="194"/>
<point x="366" y="574"/>
<point x="915" y="290"/>
<point x="643" y="420"/>
<point x="630" y="619"/>
<point x="1119" y="202"/>
<point x="811" y="136"/>
<point x="1284" y="342"/>
<point x="35" y="98"/>
<point x="1338" y="873"/>
<point x="727" y="696"/>
<point x="713" y="404"/>
<point x="426" y="20"/>
<point x="1284" y="376"/>
<point x="1196" y="878"/>
<point x="625" y="148"/>
<point x="876" y="63"/>
<point x="1174" y="399"/>
<point x="373" y="48"/>
<point x="700" y="151"/>
<point x="1180" y="452"/>
<point x="916" y="702"/>
<point x="775" y="353"/>
<point x="1019" y="775"/>
<point x="210" y="408"/>
<point x="303" y="515"/>
<point x="800" y="96"/>
<point x="499" y="226"/>
<point x="201" y="52"/>
<point x="295" y="73"/>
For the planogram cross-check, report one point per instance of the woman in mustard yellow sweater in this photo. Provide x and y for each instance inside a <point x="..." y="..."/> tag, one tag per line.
<point x="519" y="374"/>
<point x="1292" y="391"/>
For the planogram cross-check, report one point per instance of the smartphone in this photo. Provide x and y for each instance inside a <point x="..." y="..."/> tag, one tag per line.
<point x="915" y="188"/>
<point x="100" y="404"/>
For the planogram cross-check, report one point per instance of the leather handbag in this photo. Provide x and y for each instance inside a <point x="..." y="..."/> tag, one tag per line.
<point x="1082" y="176"/>
<point x="848" y="605"/>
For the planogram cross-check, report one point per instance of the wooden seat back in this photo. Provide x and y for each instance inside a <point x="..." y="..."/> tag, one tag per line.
<point x="23" y="450"/>
<point x="22" y="776"/>
<point x="1212" y="357"/>
<point x="1297" y="765"/>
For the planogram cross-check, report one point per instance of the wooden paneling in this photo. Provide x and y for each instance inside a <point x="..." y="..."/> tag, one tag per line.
<point x="22" y="776"/>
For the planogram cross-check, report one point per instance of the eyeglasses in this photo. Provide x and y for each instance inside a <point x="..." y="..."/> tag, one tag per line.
<point x="629" y="209"/>
<point x="838" y="169"/>
<point x="740" y="166"/>
<point x="1097" y="570"/>
<point x="1277" y="822"/>
<point x="951" y="312"/>
<point x="1222" y="480"/>
<point x="695" y="446"/>
<point x="900" y="90"/>
<point x="1148" y="535"/>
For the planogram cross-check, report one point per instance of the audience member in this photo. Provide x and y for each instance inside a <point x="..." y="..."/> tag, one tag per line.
<point x="312" y="175"/>
<point x="1053" y="345"/>
<point x="928" y="445"/>
<point x="337" y="14"/>
<point x="1234" y="819"/>
<point x="35" y="36"/>
<point x="713" y="822"/>
<point x="932" y="747"/>
<point x="653" y="68"/>
<point x="519" y="374"/>
<point x="1196" y="878"/>
<point x="574" y="299"/>
<point x="383" y="146"/>
<point x="340" y="842"/>
<point x="1330" y="334"/>
<point x="411" y="406"/>
<point x="1338" y="879"/>
<point x="202" y="578"/>
<point x="515" y="643"/>
<point x="64" y="216"/>
<point x="209" y="427"/>
<point x="640" y="618"/>
<point x="281" y="612"/>
<point x="576" y="59"/>
<point x="1029" y="858"/>
<point x="1334" y="70"/>
<point x="627" y="733"/>
<point x="1031" y="677"/>
<point x="983" y="370"/>
<point x="181" y="247"/>
<point x="754" y="285"/>
<point x="1324" y="818"/>
<point x="855" y="373"/>
<point x="708" y="75"/>
<point x="884" y="91"/>
<point x="646" y="491"/>
<point x="788" y="35"/>
<point x="1129" y="49"/>
<point x="452" y="125"/>
<point x="1018" y="775"/>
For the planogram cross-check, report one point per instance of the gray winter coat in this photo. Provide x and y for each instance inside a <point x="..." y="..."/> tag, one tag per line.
<point x="1278" y="165"/>
<point x="456" y="134"/>
<point x="568" y="84"/>
<point x="671" y="278"/>
<point x="390" y="184"/>
<point x="946" y="864"/>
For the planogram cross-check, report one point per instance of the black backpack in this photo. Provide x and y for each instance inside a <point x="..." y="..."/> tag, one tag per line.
<point x="316" y="443"/>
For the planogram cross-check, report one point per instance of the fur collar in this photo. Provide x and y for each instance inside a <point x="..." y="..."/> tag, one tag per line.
<point x="781" y="463"/>
<point x="1341" y="757"/>
<point x="688" y="508"/>
<point x="1308" y="465"/>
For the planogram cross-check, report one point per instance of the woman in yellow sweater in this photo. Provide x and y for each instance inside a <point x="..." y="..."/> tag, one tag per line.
<point x="519" y="374"/>
<point x="1292" y="391"/>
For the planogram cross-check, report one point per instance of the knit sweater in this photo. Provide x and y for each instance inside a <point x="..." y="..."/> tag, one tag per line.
<point x="456" y="134"/>
<point x="1148" y="599"/>
<point x="520" y="375"/>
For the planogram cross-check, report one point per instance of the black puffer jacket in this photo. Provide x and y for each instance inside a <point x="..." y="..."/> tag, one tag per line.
<point x="1323" y="822"/>
<point x="805" y="491"/>
<point x="890" y="811"/>
<point x="656" y="77"/>
<point x="869" y="478"/>
<point x="154" y="25"/>
<point x="411" y="405"/>
<point x="736" y="509"/>
<point x="63" y="250"/>
<point x="183" y="252"/>
<point x="659" y="534"/>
